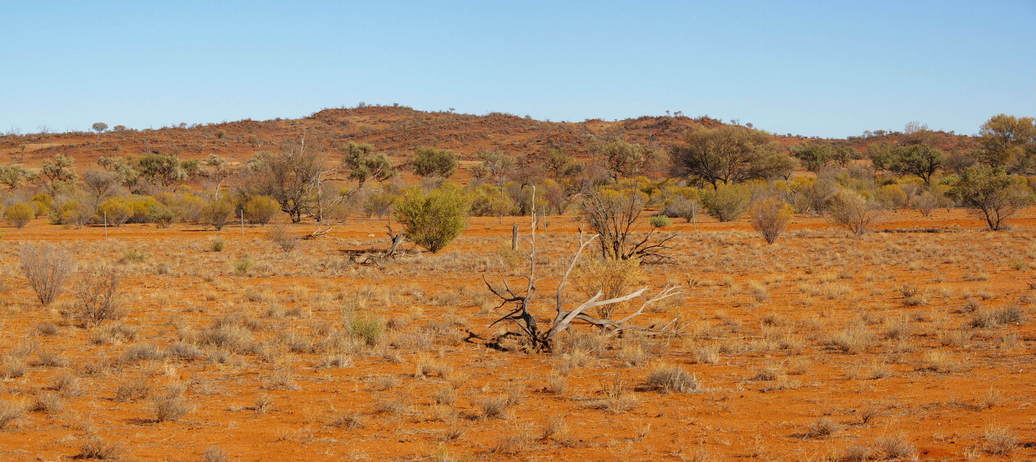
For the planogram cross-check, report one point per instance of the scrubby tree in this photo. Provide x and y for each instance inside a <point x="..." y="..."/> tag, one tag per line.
<point x="362" y="163"/>
<point x="215" y="168"/>
<point x="1009" y="142"/>
<point x="99" y="185"/>
<point x="560" y="166"/>
<point x="161" y="169"/>
<point x="56" y="174"/>
<point x="99" y="127"/>
<point x="730" y="154"/>
<point x="920" y="160"/>
<point x="624" y="159"/>
<point x="434" y="162"/>
<point x="612" y="214"/>
<point x="12" y="176"/>
<point x="994" y="193"/>
<point x="816" y="155"/>
<point x="125" y="170"/>
<point x="495" y="167"/>
<point x="432" y="219"/>
<point x="293" y="177"/>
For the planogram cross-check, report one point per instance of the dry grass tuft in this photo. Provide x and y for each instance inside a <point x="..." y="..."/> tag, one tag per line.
<point x="672" y="379"/>
<point x="999" y="440"/>
<point x="98" y="449"/>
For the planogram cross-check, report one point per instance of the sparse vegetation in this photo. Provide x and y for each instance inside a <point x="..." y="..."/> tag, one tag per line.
<point x="47" y="268"/>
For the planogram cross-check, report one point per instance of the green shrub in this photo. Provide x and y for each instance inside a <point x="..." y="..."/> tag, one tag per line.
<point x="727" y="202"/>
<point x="434" y="162"/>
<point x="20" y="214"/>
<point x="162" y="216"/>
<point x="368" y="328"/>
<point x="433" y="219"/>
<point x="892" y="196"/>
<point x="490" y="201"/>
<point x="261" y="209"/>
<point x="661" y="221"/>
<point x="994" y="193"/>
<point x="43" y="203"/>
<point x="72" y="212"/>
<point x="185" y="207"/>
<point x="115" y="211"/>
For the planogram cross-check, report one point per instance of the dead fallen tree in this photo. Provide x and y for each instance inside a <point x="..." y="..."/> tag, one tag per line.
<point x="377" y="257"/>
<point x="528" y="330"/>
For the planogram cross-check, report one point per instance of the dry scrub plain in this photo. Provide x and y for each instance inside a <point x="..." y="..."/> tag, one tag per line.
<point x="896" y="345"/>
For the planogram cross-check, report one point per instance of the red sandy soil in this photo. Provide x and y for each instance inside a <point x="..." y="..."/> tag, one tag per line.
<point x="767" y="313"/>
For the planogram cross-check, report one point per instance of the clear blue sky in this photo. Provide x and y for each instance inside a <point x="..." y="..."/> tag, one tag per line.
<point x="814" y="68"/>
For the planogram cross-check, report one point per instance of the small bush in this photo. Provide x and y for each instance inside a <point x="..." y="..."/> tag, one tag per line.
<point x="20" y="214"/>
<point x="894" y="447"/>
<point x="171" y="406"/>
<point x="661" y="221"/>
<point x="279" y="235"/>
<point x="770" y="217"/>
<point x="96" y="296"/>
<point x="433" y="219"/>
<point x="261" y="209"/>
<point x="214" y="454"/>
<point x="98" y="449"/>
<point x="115" y="211"/>
<point x="218" y="213"/>
<point x="672" y="379"/>
<point x="379" y="203"/>
<point x="999" y="441"/>
<point x="822" y="428"/>
<point x="217" y="245"/>
<point x="727" y="202"/>
<point x="47" y="268"/>
<point x="852" y="211"/>
<point x="9" y="412"/>
<point x="368" y="328"/>
<point x="682" y="207"/>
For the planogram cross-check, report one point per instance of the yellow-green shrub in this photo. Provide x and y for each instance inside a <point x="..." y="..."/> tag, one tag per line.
<point x="261" y="209"/>
<point x="20" y="214"/>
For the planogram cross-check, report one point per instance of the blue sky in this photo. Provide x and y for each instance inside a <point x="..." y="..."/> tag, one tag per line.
<point x="813" y="68"/>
